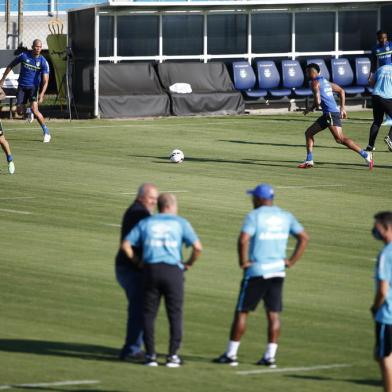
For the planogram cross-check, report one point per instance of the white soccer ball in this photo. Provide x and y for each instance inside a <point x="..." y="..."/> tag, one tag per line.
<point x="176" y="156"/>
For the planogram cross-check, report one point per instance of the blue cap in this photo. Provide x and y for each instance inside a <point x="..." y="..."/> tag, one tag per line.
<point x="262" y="191"/>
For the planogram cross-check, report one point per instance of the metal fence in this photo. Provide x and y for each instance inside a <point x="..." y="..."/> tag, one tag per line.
<point x="33" y="26"/>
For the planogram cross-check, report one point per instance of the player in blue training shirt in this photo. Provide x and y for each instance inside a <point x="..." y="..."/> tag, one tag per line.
<point x="382" y="305"/>
<point x="382" y="52"/>
<point x="262" y="248"/>
<point x="323" y="96"/>
<point x="161" y="238"/>
<point x="34" y="71"/>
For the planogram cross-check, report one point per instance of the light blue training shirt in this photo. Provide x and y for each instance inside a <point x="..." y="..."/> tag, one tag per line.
<point x="328" y="103"/>
<point x="269" y="228"/>
<point x="162" y="236"/>
<point x="384" y="272"/>
<point x="383" y="78"/>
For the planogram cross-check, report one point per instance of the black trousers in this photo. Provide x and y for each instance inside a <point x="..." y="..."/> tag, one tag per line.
<point x="165" y="280"/>
<point x="380" y="107"/>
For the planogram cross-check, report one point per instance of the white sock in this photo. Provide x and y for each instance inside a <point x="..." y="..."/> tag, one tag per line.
<point x="232" y="348"/>
<point x="270" y="351"/>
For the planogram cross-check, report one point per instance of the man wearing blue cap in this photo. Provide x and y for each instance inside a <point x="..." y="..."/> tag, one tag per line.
<point x="262" y="246"/>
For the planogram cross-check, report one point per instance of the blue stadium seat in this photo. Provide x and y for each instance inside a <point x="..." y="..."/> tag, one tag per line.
<point x="269" y="79"/>
<point x="362" y="71"/>
<point x="293" y="78"/>
<point x="323" y="67"/>
<point x="342" y="75"/>
<point x="245" y="80"/>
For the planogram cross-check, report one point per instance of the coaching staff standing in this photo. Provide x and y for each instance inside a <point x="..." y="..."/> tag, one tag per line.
<point x="382" y="306"/>
<point x="129" y="274"/>
<point x="161" y="237"/>
<point x="262" y="255"/>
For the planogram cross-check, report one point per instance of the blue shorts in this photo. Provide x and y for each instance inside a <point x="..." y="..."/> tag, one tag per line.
<point x="253" y="290"/>
<point x="25" y="94"/>
<point x="383" y="346"/>
<point x="329" y="120"/>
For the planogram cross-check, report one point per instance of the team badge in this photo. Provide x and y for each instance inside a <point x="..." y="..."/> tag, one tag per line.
<point x="243" y="73"/>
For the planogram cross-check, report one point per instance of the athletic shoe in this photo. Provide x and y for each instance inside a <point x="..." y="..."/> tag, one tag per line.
<point x="370" y="148"/>
<point x="29" y="116"/>
<point x="11" y="167"/>
<point x="388" y="142"/>
<point x="271" y="363"/>
<point x="47" y="137"/>
<point x="173" y="361"/>
<point x="370" y="161"/>
<point x="306" y="165"/>
<point x="150" y="360"/>
<point x="224" y="359"/>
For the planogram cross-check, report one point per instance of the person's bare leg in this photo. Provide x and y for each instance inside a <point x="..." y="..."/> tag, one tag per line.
<point x="386" y="372"/>
<point x="341" y="138"/>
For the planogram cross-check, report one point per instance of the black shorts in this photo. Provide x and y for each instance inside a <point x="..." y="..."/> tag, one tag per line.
<point x="383" y="346"/>
<point x="329" y="119"/>
<point x="253" y="290"/>
<point x="25" y="94"/>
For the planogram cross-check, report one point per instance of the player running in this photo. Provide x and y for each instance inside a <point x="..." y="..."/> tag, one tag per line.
<point x="7" y="151"/>
<point x="33" y="67"/>
<point x="323" y="96"/>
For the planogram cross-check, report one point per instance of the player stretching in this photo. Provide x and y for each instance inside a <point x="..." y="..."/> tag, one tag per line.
<point x="323" y="95"/>
<point x="33" y="67"/>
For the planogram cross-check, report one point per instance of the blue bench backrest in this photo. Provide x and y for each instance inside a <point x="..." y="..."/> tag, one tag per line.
<point x="268" y="74"/>
<point x="362" y="71"/>
<point x="342" y="73"/>
<point x="243" y="75"/>
<point x="292" y="74"/>
<point x="323" y="67"/>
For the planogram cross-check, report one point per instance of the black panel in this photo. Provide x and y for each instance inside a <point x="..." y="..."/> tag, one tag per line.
<point x="137" y="35"/>
<point x="182" y="34"/>
<point x="314" y="31"/>
<point x="271" y="33"/>
<point x="227" y="33"/>
<point x="357" y="30"/>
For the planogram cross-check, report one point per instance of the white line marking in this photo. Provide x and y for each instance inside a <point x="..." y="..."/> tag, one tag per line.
<point x="17" y="197"/>
<point x="298" y="369"/>
<point x="112" y="224"/>
<point x="49" y="384"/>
<point x="135" y="193"/>
<point x="15" y="211"/>
<point x="310" y="186"/>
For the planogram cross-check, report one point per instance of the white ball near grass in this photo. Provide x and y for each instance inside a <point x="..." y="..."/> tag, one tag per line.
<point x="176" y="156"/>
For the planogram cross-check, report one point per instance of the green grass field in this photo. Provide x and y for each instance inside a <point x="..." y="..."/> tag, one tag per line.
<point x="62" y="312"/>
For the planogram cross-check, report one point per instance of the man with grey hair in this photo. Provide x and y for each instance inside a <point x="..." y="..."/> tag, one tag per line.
<point x="129" y="274"/>
<point x="161" y="237"/>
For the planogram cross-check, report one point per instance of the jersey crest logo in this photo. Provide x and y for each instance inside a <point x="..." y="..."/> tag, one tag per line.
<point x="38" y="63"/>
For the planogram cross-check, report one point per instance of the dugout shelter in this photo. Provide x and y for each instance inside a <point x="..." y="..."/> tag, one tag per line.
<point x="155" y="34"/>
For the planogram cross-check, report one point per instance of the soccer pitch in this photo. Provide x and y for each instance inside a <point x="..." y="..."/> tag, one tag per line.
<point x="63" y="314"/>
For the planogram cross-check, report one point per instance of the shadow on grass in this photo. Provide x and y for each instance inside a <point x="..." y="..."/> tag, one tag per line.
<point x="64" y="389"/>
<point x="268" y="162"/>
<point x="62" y="349"/>
<point x="366" y="382"/>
